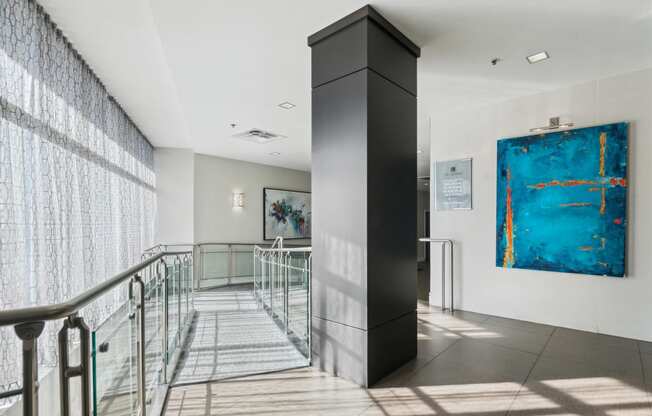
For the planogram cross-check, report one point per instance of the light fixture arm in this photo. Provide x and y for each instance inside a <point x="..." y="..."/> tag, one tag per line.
<point x="553" y="124"/>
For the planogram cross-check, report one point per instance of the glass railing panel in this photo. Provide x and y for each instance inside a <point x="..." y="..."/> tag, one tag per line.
<point x="114" y="364"/>
<point x="242" y="260"/>
<point x="184" y="287"/>
<point x="154" y="335"/>
<point x="282" y="287"/>
<point x="278" y="285"/>
<point x="269" y="277"/>
<point x="298" y="273"/>
<point x="172" y="288"/>
<point x="215" y="266"/>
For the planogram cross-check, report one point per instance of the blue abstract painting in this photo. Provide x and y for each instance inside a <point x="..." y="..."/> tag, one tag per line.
<point x="561" y="201"/>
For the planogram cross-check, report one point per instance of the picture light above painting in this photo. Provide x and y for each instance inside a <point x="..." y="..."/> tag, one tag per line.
<point x="286" y="214"/>
<point x="561" y="201"/>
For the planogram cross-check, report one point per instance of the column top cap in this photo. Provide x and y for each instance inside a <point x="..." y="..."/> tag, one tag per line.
<point x="362" y="13"/>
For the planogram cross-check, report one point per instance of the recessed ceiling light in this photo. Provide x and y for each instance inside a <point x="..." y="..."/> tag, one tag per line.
<point x="275" y="154"/>
<point x="287" y="105"/>
<point x="538" y="57"/>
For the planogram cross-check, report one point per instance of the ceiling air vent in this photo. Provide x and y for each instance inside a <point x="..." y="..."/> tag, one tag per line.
<point x="258" y="136"/>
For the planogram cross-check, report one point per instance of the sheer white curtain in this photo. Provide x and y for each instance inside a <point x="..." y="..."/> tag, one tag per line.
<point x="77" y="186"/>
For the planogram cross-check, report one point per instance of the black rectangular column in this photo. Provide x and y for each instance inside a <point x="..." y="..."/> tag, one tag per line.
<point x="363" y="197"/>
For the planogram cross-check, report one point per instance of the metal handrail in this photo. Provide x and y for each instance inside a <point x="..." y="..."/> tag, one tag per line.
<point x="444" y="242"/>
<point x="72" y="306"/>
<point x="284" y="250"/>
<point x="29" y="323"/>
<point x="216" y="243"/>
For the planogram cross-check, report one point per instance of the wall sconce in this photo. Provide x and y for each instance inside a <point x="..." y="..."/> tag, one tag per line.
<point x="238" y="200"/>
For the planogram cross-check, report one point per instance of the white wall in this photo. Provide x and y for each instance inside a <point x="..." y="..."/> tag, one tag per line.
<point x="600" y="304"/>
<point x="174" y="195"/>
<point x="194" y="197"/>
<point x="215" y="181"/>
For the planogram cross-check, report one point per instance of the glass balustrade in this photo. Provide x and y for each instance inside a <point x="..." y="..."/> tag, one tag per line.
<point x="225" y="264"/>
<point x="253" y="309"/>
<point x="168" y="306"/>
<point x="114" y="364"/>
<point x="282" y="287"/>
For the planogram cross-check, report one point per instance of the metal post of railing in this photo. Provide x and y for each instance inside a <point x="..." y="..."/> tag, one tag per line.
<point x="443" y="276"/>
<point x="188" y="285"/>
<point x="140" y="342"/>
<point x="83" y="370"/>
<point x="29" y="333"/>
<point x="166" y="322"/>
<point x="254" y="272"/>
<point x="64" y="385"/>
<point x="452" y="265"/>
<point x="178" y="335"/>
<point x="85" y="360"/>
<point x="196" y="257"/>
<point x="271" y="285"/>
<point x="286" y="276"/>
<point x="229" y="263"/>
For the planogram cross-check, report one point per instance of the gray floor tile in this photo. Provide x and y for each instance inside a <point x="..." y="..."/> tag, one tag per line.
<point x="444" y="387"/>
<point x="554" y="368"/>
<point x="645" y="347"/>
<point x="452" y="323"/>
<point x="646" y="361"/>
<point x="490" y="398"/>
<point x="515" y="338"/>
<point x="520" y="325"/>
<point x="574" y="394"/>
<point x="469" y="361"/>
<point x="593" y="339"/>
<point x="611" y="355"/>
<point x="432" y="340"/>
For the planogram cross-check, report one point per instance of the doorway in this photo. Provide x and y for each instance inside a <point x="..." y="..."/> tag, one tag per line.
<point x="423" y="230"/>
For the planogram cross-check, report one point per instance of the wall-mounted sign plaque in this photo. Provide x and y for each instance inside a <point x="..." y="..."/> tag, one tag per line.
<point x="453" y="185"/>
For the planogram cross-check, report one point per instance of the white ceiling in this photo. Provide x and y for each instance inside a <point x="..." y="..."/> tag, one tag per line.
<point x="186" y="70"/>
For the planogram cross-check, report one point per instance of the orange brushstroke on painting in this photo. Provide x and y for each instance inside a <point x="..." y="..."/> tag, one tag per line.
<point x="576" y="204"/>
<point x="603" y="201"/>
<point x="585" y="248"/>
<point x="603" y="147"/>
<point x="579" y="182"/>
<point x="571" y="182"/>
<point x="508" y="257"/>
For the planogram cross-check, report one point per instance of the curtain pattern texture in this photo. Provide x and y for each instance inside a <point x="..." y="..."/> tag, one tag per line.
<point x="77" y="184"/>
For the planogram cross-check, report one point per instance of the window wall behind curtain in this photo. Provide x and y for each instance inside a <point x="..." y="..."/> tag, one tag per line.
<point x="77" y="196"/>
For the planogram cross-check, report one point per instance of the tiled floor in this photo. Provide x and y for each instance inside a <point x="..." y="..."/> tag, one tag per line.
<point x="233" y="336"/>
<point x="467" y="364"/>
